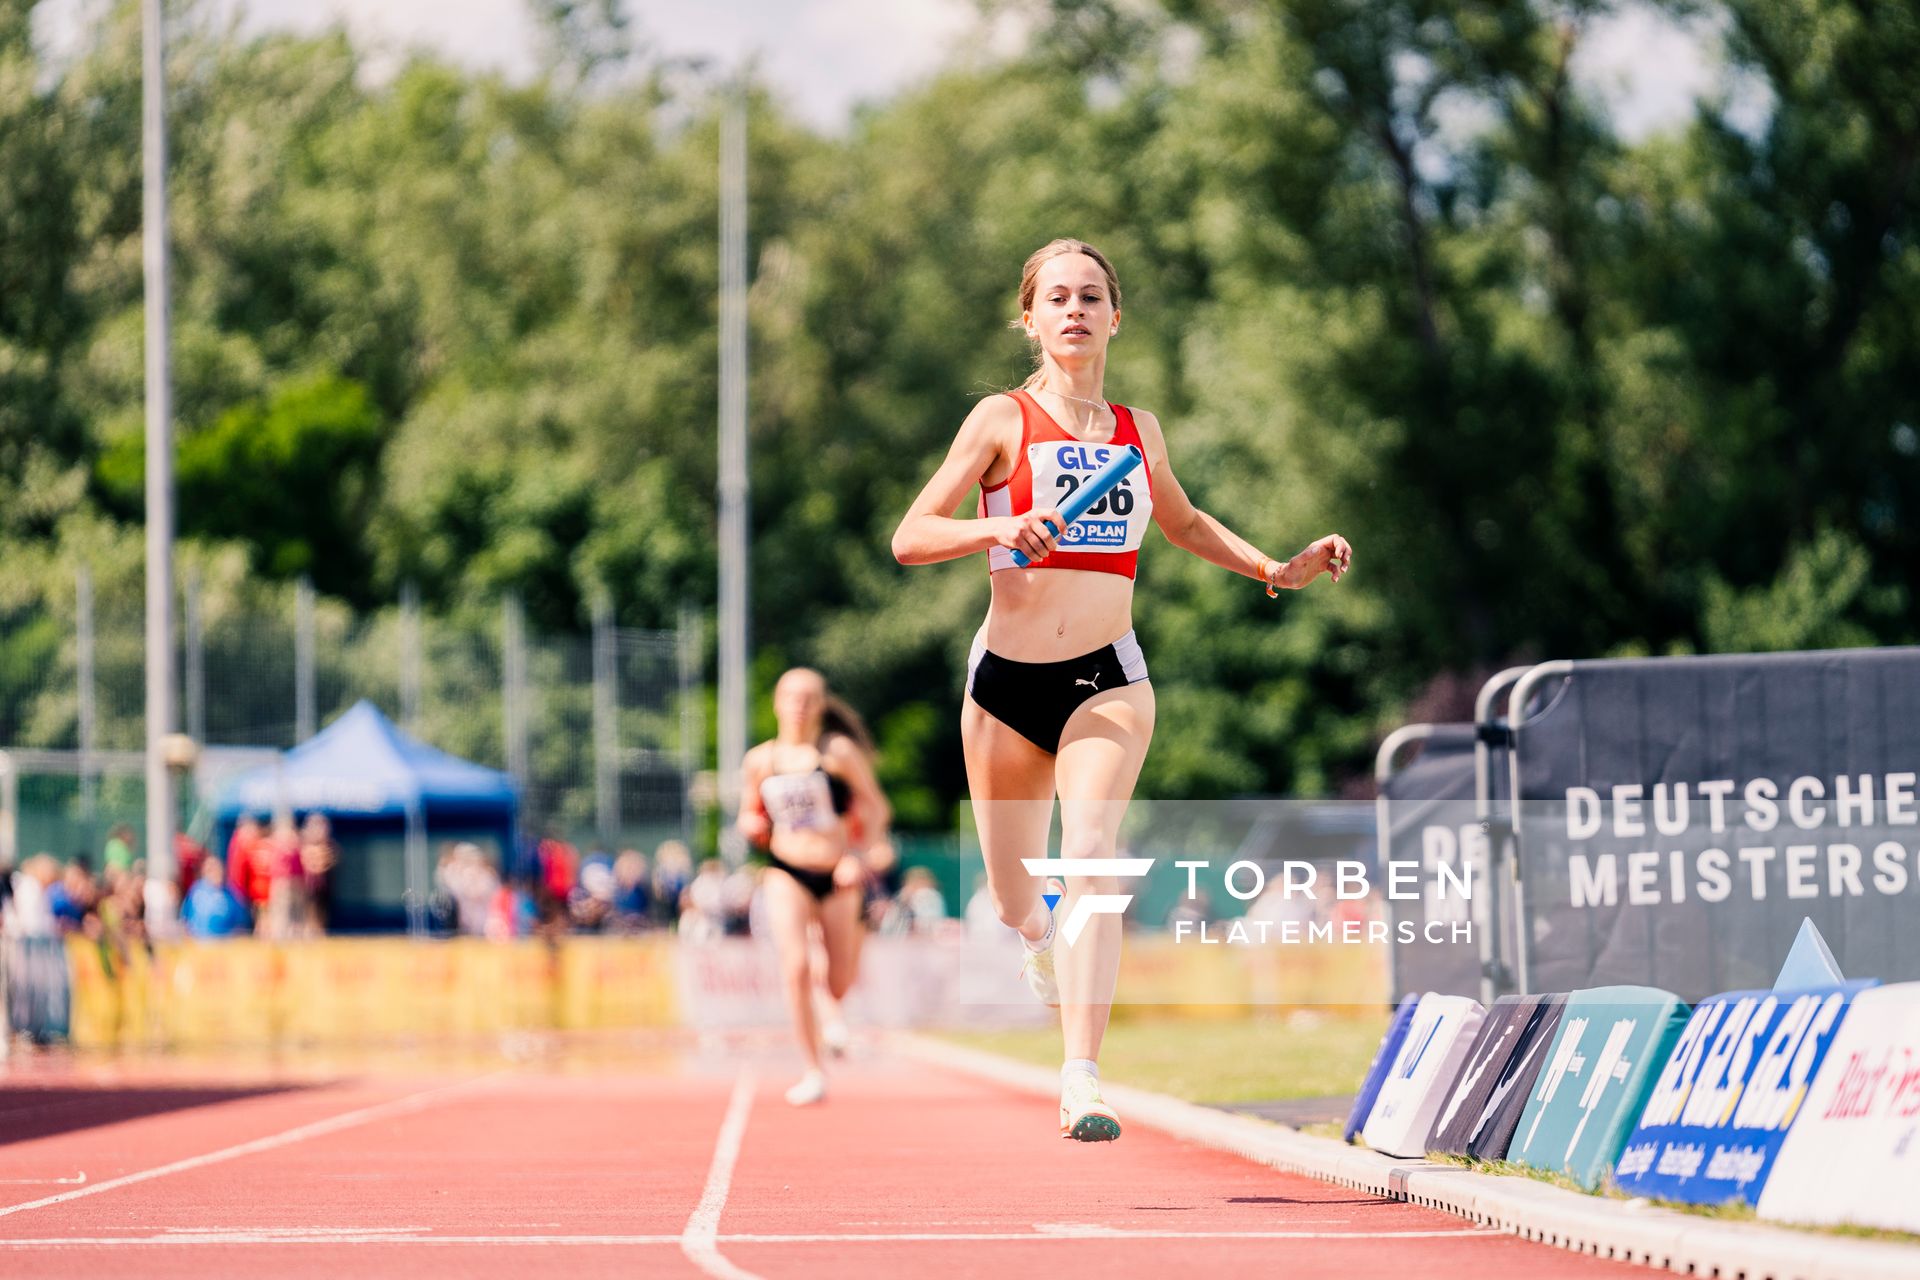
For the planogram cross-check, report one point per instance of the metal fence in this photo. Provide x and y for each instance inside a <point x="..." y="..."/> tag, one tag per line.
<point x="603" y="732"/>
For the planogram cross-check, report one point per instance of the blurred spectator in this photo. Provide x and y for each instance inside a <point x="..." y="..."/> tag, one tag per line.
<point x="319" y="855"/>
<point x="36" y="988"/>
<point x="1196" y="910"/>
<point x="120" y="913"/>
<point x="247" y="869"/>
<point x="672" y="873"/>
<point x="883" y="886"/>
<point x="212" y="909"/>
<point x="703" y="914"/>
<point x="29" y="909"/>
<point x="631" y="891"/>
<point x="559" y="867"/>
<point x="1358" y="910"/>
<point x="470" y="880"/>
<point x="921" y="904"/>
<point x="516" y="910"/>
<point x="590" y="905"/>
<point x="286" y="913"/>
<point x="188" y="854"/>
<point x="1273" y="905"/>
<point x="72" y="897"/>
<point x="442" y="911"/>
<point x="983" y="918"/>
<point x="522" y="862"/>
<point x="118" y="855"/>
<point x="736" y="899"/>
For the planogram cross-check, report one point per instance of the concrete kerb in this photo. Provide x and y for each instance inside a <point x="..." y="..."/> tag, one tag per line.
<point x="1628" y="1230"/>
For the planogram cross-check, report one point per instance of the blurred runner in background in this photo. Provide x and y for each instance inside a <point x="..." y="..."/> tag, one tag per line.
<point x="802" y="795"/>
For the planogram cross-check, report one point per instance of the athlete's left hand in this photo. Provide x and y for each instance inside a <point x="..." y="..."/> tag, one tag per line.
<point x="755" y="826"/>
<point x="1331" y="555"/>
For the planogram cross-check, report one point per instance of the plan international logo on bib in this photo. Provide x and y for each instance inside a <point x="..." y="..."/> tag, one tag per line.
<point x="1113" y="523"/>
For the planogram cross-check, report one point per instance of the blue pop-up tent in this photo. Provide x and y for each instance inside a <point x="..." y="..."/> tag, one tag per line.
<point x="373" y="781"/>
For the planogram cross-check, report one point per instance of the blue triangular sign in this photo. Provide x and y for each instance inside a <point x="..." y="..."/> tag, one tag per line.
<point x="1809" y="962"/>
<point x="1051" y="899"/>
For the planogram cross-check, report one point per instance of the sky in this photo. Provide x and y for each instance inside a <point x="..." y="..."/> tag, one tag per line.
<point x="823" y="57"/>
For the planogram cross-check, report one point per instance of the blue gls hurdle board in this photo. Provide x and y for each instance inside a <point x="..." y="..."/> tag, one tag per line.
<point x="1611" y="1043"/>
<point x="1721" y="1107"/>
<point x="1377" y="1069"/>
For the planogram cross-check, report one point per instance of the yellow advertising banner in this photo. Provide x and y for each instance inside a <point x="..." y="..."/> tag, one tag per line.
<point x="94" y="1020"/>
<point x="616" y="983"/>
<point x="244" y="992"/>
<point x="210" y="994"/>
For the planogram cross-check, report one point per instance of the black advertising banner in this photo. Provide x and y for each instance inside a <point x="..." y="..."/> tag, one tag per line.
<point x="1427" y="818"/>
<point x="1492" y="1133"/>
<point x="1502" y="1036"/>
<point x="1679" y="817"/>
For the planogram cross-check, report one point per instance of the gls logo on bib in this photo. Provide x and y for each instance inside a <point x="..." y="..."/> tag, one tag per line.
<point x="1117" y="522"/>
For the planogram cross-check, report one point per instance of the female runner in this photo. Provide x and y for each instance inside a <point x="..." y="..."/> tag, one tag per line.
<point x="1058" y="699"/>
<point x="797" y="793"/>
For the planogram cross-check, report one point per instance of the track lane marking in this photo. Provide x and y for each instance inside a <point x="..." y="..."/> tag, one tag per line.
<point x="333" y="1124"/>
<point x="78" y="1179"/>
<point x="380" y="1235"/>
<point x="700" y="1240"/>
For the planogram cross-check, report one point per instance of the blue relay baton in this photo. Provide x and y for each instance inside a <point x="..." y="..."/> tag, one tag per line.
<point x="1091" y="490"/>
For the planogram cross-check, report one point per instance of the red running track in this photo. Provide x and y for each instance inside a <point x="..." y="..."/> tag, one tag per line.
<point x="633" y="1163"/>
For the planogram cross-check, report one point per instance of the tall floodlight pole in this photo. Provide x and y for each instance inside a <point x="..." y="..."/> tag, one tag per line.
<point x="733" y="461"/>
<point x="162" y="900"/>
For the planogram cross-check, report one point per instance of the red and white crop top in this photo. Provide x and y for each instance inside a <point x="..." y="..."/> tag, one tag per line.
<point x="1052" y="464"/>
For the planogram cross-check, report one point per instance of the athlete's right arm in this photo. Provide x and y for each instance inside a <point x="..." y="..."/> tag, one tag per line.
<point x="751" y="819"/>
<point x="929" y="534"/>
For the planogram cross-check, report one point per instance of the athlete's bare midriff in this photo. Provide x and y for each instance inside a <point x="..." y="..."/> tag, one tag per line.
<point x="809" y="850"/>
<point x="1050" y="615"/>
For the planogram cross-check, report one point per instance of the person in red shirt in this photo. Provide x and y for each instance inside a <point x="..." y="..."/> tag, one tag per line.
<point x="559" y="866"/>
<point x="246" y="872"/>
<point x="279" y="855"/>
<point x="188" y="854"/>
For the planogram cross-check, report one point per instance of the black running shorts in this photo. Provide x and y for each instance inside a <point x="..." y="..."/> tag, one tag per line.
<point x="1035" y="699"/>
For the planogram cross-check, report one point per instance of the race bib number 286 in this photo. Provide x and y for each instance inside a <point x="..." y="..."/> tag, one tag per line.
<point x="1116" y="522"/>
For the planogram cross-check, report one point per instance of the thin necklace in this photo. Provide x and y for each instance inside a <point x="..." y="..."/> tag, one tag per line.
<point x="1095" y="404"/>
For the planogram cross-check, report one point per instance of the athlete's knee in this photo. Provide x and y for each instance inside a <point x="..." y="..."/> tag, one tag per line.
<point x="1013" y="914"/>
<point x="795" y="970"/>
<point x="1091" y="845"/>
<point x="840" y="978"/>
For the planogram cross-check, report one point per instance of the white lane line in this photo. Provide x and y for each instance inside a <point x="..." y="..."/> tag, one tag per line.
<point x="78" y="1179"/>
<point x="333" y="1124"/>
<point x="381" y="1236"/>
<point x="699" y="1241"/>
<point x="328" y="1237"/>
<point x="293" y="1231"/>
<point x="1107" y="1233"/>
